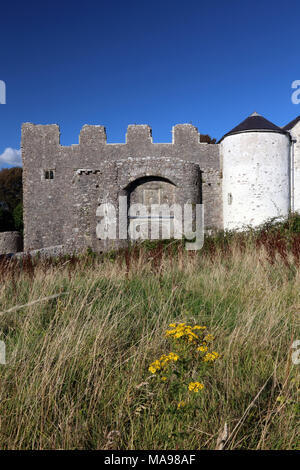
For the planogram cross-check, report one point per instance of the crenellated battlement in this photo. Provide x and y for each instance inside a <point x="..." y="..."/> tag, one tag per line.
<point x="93" y="135"/>
<point x="43" y="133"/>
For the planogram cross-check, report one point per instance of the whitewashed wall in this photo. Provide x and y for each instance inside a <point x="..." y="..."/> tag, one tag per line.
<point x="295" y="133"/>
<point x="255" y="178"/>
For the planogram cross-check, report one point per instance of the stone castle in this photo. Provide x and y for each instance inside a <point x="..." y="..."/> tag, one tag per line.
<point x="251" y="175"/>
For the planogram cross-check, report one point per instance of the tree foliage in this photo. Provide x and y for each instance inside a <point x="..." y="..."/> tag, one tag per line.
<point x="6" y="221"/>
<point x="18" y="217"/>
<point x="11" y="186"/>
<point x="11" y="200"/>
<point x="205" y="138"/>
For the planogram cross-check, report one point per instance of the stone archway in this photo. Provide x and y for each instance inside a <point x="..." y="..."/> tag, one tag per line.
<point x="151" y="192"/>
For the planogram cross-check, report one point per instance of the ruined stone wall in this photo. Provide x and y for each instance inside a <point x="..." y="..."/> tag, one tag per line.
<point x="45" y="201"/>
<point x="62" y="210"/>
<point x="10" y="242"/>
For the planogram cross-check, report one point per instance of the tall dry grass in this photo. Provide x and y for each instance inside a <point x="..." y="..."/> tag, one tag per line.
<point x="77" y="364"/>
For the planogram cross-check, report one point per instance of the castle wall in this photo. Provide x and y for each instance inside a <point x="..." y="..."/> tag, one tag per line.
<point x="114" y="179"/>
<point x="255" y="178"/>
<point x="295" y="173"/>
<point x="62" y="210"/>
<point x="10" y="242"/>
<point x="45" y="201"/>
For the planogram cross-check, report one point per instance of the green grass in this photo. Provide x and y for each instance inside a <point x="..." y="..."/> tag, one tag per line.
<point x="77" y="366"/>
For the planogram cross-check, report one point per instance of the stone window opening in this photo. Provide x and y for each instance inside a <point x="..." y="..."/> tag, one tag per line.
<point x="49" y="174"/>
<point x="229" y="199"/>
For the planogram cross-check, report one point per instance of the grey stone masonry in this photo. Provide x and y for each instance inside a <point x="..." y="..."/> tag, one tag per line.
<point x="10" y="242"/>
<point x="63" y="186"/>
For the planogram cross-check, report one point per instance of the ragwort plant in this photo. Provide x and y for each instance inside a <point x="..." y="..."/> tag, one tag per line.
<point x="179" y="374"/>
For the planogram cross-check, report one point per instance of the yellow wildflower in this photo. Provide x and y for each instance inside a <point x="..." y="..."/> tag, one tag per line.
<point x="209" y="338"/>
<point x="179" y="334"/>
<point x="162" y="362"/>
<point x="202" y="348"/>
<point x="181" y="404"/>
<point x="154" y="366"/>
<point x="173" y="356"/>
<point x="209" y="357"/>
<point x="195" y="387"/>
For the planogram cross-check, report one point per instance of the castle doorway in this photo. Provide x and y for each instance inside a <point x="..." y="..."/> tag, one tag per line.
<point x="155" y="197"/>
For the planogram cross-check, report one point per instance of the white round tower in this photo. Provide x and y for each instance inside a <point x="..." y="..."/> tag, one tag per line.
<point x="256" y="166"/>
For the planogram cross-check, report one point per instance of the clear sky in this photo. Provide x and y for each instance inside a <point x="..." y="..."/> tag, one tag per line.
<point x="159" y="62"/>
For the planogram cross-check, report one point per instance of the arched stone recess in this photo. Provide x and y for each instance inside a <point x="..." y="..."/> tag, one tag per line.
<point x="186" y="176"/>
<point x="153" y="187"/>
<point x="148" y="190"/>
<point x="150" y="208"/>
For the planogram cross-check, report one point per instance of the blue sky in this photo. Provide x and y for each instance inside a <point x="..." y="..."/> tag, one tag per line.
<point x="159" y="63"/>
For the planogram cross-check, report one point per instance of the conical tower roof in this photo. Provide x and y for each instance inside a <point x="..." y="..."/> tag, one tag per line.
<point x="291" y="124"/>
<point x="255" y="123"/>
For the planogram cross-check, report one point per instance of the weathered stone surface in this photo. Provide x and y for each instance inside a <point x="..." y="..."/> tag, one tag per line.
<point x="10" y="242"/>
<point x="50" y="251"/>
<point x="62" y="210"/>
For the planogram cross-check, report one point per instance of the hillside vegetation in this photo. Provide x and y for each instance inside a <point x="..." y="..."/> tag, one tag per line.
<point x="77" y="365"/>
